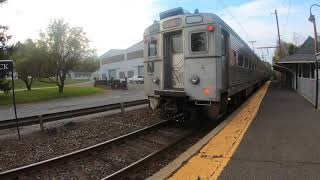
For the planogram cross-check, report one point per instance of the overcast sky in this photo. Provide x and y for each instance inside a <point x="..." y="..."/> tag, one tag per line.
<point x="119" y="24"/>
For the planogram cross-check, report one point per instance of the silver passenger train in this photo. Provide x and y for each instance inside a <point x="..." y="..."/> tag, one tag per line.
<point x="196" y="62"/>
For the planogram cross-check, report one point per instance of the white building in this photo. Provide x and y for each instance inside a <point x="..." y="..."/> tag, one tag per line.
<point x="121" y="63"/>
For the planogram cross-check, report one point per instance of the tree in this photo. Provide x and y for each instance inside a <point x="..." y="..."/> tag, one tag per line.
<point x="29" y="61"/>
<point x="5" y="52"/>
<point x="89" y="64"/>
<point x="286" y="49"/>
<point x="66" y="47"/>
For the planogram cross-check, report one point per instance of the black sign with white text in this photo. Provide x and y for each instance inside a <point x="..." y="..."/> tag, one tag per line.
<point x="6" y="65"/>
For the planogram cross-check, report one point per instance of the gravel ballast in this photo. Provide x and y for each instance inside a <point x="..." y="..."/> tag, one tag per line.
<point x="73" y="135"/>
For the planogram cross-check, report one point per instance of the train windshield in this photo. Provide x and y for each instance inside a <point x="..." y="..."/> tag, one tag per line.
<point x="199" y="41"/>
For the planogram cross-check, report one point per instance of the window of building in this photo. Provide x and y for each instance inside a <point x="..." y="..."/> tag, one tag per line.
<point x="300" y="70"/>
<point x="130" y="74"/>
<point x="112" y="74"/>
<point x="104" y="76"/>
<point x="198" y="41"/>
<point x="306" y="70"/>
<point x="312" y="70"/>
<point x="152" y="48"/>
<point x="140" y="70"/>
<point x="122" y="75"/>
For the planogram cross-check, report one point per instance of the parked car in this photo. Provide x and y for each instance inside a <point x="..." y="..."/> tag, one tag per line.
<point x="136" y="79"/>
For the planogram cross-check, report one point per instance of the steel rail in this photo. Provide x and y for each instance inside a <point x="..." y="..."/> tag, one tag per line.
<point x="38" y="119"/>
<point x="14" y="173"/>
<point x="122" y="173"/>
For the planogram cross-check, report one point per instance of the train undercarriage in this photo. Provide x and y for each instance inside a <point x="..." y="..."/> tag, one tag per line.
<point x="183" y="109"/>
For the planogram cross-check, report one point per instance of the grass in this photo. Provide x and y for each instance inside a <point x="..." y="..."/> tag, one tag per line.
<point x="19" y="84"/>
<point x="48" y="94"/>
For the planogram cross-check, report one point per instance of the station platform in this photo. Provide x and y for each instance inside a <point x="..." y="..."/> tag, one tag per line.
<point x="275" y="135"/>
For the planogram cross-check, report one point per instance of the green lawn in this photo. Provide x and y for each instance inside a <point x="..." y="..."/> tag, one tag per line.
<point x="19" y="84"/>
<point x="47" y="94"/>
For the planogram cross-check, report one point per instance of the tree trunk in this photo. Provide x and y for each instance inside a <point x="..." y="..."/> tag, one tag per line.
<point x="28" y="87"/>
<point x="61" y="86"/>
<point x="27" y="83"/>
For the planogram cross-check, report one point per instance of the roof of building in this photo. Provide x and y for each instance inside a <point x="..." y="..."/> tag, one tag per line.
<point x="116" y="55"/>
<point x="135" y="47"/>
<point x="304" y="54"/>
<point x="112" y="52"/>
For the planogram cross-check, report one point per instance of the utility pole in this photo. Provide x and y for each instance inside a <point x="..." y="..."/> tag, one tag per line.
<point x="313" y="20"/>
<point x="252" y="43"/>
<point x="279" y="41"/>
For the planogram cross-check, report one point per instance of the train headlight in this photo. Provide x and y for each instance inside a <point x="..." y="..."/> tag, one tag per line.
<point x="195" y="79"/>
<point x="155" y="80"/>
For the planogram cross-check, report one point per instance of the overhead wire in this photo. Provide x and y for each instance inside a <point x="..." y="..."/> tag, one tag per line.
<point x="225" y="8"/>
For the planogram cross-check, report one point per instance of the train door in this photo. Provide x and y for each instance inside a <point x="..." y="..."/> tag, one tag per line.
<point x="174" y="73"/>
<point x="225" y="46"/>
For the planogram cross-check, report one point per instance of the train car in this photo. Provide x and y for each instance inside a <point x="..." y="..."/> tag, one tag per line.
<point x="196" y="62"/>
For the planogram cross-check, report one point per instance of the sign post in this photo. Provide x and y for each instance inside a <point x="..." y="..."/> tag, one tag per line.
<point x="7" y="66"/>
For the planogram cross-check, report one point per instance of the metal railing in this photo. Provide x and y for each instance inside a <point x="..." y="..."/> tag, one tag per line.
<point x="41" y="119"/>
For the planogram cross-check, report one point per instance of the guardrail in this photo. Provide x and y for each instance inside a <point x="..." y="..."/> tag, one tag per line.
<point x="41" y="119"/>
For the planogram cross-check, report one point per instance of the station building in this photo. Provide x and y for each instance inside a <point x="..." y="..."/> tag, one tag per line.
<point x="298" y="70"/>
<point x="121" y="63"/>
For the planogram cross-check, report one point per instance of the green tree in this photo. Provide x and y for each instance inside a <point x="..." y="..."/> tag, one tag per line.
<point x="5" y="53"/>
<point x="286" y="49"/>
<point x="29" y="61"/>
<point x="66" y="47"/>
<point x="89" y="64"/>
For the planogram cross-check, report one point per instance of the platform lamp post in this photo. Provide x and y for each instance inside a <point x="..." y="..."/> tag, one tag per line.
<point x="313" y="20"/>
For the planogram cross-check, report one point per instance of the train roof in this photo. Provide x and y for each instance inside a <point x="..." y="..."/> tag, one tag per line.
<point x="207" y="18"/>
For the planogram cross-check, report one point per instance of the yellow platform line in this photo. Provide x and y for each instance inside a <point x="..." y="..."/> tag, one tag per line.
<point x="210" y="161"/>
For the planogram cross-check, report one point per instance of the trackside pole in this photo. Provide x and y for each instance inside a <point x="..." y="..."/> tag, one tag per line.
<point x="14" y="103"/>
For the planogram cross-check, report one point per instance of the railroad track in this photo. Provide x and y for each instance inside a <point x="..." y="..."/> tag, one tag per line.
<point x="111" y="159"/>
<point x="40" y="119"/>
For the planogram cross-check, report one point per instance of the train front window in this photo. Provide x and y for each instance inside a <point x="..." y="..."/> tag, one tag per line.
<point x="152" y="48"/>
<point x="198" y="42"/>
<point x="177" y="44"/>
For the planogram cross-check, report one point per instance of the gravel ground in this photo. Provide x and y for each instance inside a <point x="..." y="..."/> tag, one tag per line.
<point x="72" y="135"/>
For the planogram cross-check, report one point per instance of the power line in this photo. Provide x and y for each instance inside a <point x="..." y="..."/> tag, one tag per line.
<point x="252" y="43"/>
<point x="234" y="18"/>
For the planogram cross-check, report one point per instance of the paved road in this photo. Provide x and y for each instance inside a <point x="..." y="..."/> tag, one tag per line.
<point x="281" y="143"/>
<point x="71" y="103"/>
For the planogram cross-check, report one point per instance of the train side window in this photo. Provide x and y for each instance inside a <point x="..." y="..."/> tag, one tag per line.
<point x="224" y="42"/>
<point x="250" y="64"/>
<point x="246" y="62"/>
<point x="240" y="60"/>
<point x="199" y="42"/>
<point x="152" y="48"/>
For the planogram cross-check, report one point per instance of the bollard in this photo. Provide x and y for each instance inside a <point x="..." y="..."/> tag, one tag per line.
<point x="41" y="122"/>
<point x="122" y="108"/>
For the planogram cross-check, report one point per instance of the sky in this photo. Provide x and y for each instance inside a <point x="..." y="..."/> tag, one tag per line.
<point x="118" y="24"/>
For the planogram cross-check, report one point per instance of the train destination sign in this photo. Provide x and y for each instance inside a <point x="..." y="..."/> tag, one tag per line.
<point x="6" y="65"/>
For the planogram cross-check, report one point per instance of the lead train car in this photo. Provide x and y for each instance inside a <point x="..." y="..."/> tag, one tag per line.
<point x="197" y="62"/>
